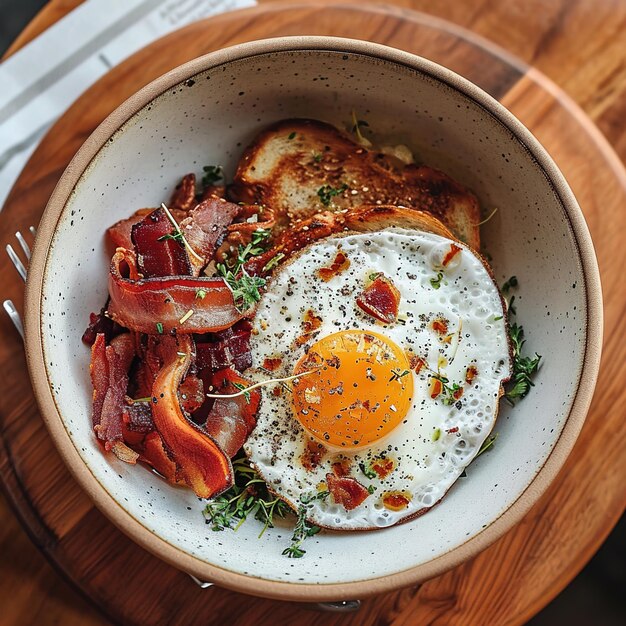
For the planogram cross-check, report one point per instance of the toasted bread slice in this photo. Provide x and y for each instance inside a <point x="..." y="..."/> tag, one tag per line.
<point x="301" y="167"/>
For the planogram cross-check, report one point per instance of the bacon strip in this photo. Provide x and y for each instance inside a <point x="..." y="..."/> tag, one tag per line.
<point x="156" y="254"/>
<point x="231" y="420"/>
<point x="184" y="196"/>
<point x="227" y="348"/>
<point x="140" y="305"/>
<point x="100" y="323"/>
<point x="380" y="299"/>
<point x="205" y="228"/>
<point x="120" y="233"/>
<point x="200" y="461"/>
<point x="346" y="491"/>
<point x="109" y="375"/>
<point x="153" y="453"/>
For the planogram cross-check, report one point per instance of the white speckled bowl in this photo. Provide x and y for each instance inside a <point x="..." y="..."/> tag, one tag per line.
<point x="205" y="112"/>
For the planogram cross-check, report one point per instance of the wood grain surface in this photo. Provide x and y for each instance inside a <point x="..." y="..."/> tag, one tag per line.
<point x="579" y="46"/>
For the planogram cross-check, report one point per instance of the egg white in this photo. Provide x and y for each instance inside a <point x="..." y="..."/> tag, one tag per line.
<point x="428" y="458"/>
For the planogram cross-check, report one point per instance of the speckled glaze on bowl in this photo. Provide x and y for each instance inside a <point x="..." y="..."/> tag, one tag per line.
<point x="206" y="112"/>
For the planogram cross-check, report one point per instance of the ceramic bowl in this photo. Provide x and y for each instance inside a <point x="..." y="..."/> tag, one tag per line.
<point x="206" y="112"/>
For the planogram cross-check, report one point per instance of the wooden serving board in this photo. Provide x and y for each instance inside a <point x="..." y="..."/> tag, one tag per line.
<point x="510" y="581"/>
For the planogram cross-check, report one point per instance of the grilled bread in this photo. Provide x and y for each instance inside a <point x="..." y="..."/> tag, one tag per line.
<point x="301" y="167"/>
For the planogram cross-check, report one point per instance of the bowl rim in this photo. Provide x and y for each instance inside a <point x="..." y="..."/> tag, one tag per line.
<point x="251" y="584"/>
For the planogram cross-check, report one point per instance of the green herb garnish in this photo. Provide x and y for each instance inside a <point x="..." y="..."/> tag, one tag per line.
<point x="436" y="282"/>
<point x="260" y="235"/>
<point x="487" y="444"/>
<point x="273" y="262"/>
<point x="326" y="193"/>
<point x="200" y="294"/>
<point x="241" y="387"/>
<point x="367" y="470"/>
<point x="356" y="129"/>
<point x="523" y="367"/>
<point x="245" y="288"/>
<point x="159" y="328"/>
<point x="512" y="282"/>
<point x="436" y="434"/>
<point x="292" y="135"/>
<point x="317" y="157"/>
<point x="175" y="235"/>
<point x="212" y="173"/>
<point x="303" y="529"/>
<point x="398" y="374"/>
<point x="248" y="496"/>
<point x="449" y="391"/>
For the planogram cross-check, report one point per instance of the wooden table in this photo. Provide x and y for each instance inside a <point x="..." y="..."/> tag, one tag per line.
<point x="581" y="47"/>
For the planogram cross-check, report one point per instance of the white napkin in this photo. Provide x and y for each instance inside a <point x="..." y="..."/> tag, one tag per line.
<point x="43" y="79"/>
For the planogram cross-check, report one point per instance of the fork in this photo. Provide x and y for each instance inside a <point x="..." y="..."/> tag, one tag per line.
<point x="22" y="270"/>
<point x="9" y="307"/>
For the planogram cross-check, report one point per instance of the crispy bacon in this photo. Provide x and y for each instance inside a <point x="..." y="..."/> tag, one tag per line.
<point x="184" y="196"/>
<point x="191" y="393"/>
<point x="346" y="491"/>
<point x="155" y="305"/>
<point x="383" y="467"/>
<point x="200" y="461"/>
<point x="339" y="265"/>
<point x="380" y="299"/>
<point x="147" y="366"/>
<point x="312" y="454"/>
<point x="435" y="388"/>
<point x="341" y="468"/>
<point x="100" y="323"/>
<point x="231" y="420"/>
<point x="137" y="418"/>
<point x="454" y="250"/>
<point x="440" y="325"/>
<point x="120" y="233"/>
<point x="470" y="374"/>
<point x="157" y="253"/>
<point x="396" y="500"/>
<point x="109" y="376"/>
<point x="205" y="228"/>
<point x="227" y="348"/>
<point x="153" y="453"/>
<point x="213" y="191"/>
<point x="124" y="453"/>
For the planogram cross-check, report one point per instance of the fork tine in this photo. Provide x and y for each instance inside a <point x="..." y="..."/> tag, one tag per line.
<point x="9" y="307"/>
<point x="33" y="231"/>
<point x="19" y="266"/>
<point x="22" y="242"/>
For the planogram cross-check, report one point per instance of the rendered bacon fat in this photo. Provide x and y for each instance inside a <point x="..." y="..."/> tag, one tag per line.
<point x="157" y="305"/>
<point x="200" y="461"/>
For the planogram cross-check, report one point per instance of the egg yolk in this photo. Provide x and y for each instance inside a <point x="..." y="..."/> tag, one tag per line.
<point x="358" y="388"/>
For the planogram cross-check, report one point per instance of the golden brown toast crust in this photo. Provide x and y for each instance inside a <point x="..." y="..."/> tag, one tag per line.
<point x="288" y="163"/>
<point x="360" y="219"/>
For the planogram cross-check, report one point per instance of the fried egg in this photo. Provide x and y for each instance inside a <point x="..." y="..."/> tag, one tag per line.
<point x="385" y="416"/>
